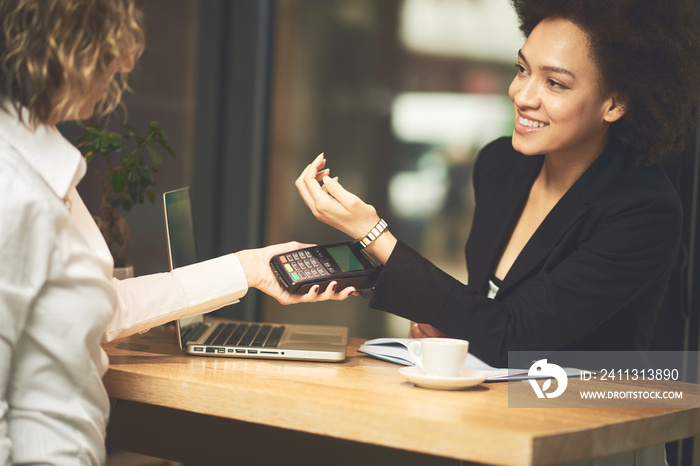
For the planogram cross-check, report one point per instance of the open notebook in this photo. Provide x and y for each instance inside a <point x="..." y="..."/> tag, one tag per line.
<point x="236" y="338"/>
<point x="396" y="350"/>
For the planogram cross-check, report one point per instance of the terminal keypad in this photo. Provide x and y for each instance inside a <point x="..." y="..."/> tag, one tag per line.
<point x="307" y="263"/>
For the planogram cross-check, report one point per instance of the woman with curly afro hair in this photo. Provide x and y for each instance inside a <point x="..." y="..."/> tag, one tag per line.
<point x="576" y="228"/>
<point x="647" y="51"/>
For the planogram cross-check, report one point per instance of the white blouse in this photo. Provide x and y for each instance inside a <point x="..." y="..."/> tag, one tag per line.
<point x="58" y="302"/>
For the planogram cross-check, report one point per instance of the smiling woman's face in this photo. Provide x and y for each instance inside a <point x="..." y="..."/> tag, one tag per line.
<point x="559" y="107"/>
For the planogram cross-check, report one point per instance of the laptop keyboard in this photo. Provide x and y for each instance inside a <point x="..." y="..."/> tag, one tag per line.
<point x="246" y="335"/>
<point x="193" y="332"/>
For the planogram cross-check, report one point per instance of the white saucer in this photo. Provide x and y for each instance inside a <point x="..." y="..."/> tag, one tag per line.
<point x="467" y="378"/>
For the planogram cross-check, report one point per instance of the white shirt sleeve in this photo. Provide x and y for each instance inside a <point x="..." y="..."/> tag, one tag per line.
<point x="151" y="300"/>
<point x="25" y="252"/>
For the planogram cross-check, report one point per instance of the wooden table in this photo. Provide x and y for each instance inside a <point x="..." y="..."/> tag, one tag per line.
<point x="208" y="410"/>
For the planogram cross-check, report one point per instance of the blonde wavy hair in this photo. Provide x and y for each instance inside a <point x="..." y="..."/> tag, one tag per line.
<point x="53" y="51"/>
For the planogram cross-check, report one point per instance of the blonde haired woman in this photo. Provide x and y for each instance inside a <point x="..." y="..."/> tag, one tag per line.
<point x="61" y="60"/>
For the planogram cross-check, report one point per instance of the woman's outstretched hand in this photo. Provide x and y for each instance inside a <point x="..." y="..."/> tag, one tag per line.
<point x="256" y="264"/>
<point x="334" y="205"/>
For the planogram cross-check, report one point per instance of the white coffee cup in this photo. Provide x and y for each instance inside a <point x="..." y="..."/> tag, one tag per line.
<point x="439" y="357"/>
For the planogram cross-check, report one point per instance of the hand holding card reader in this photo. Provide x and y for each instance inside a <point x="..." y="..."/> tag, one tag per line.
<point x="297" y="271"/>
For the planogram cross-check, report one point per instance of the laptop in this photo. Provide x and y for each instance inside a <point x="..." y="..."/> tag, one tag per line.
<point x="229" y="338"/>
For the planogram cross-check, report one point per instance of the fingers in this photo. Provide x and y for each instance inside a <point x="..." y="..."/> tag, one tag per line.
<point x="302" y="183"/>
<point x="319" y="197"/>
<point x="313" y="295"/>
<point x="414" y="331"/>
<point x="287" y="298"/>
<point x="315" y="196"/>
<point x="331" y="292"/>
<point x="335" y="189"/>
<point x="312" y="170"/>
<point x="321" y="174"/>
<point x="331" y="202"/>
<point x="287" y="247"/>
<point x="419" y="330"/>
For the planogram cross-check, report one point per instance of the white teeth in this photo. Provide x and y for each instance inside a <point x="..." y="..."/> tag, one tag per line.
<point x="530" y="123"/>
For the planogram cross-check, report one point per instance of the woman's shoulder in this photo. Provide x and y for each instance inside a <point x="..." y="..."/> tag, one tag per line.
<point x="651" y="177"/>
<point x="644" y="181"/>
<point x="651" y="184"/>
<point x="640" y="193"/>
<point x="22" y="189"/>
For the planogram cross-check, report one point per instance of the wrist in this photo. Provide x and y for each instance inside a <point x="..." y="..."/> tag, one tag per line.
<point x="248" y="262"/>
<point x="372" y="234"/>
<point x="357" y="232"/>
<point x="382" y="247"/>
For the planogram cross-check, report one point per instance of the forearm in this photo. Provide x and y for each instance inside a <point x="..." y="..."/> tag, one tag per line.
<point x="152" y="300"/>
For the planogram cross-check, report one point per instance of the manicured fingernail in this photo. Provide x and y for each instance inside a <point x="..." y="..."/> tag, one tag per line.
<point x="314" y="289"/>
<point x="320" y="156"/>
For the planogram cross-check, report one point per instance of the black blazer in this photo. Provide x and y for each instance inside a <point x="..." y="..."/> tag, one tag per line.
<point x="592" y="277"/>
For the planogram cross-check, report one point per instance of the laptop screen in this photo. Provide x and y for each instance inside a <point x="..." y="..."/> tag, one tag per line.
<point x="179" y="228"/>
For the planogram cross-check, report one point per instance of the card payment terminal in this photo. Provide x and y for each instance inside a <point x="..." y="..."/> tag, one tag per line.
<point x="297" y="271"/>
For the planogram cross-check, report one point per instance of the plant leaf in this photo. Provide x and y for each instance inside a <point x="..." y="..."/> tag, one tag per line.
<point x="155" y="156"/>
<point x="118" y="181"/>
<point x="127" y="162"/>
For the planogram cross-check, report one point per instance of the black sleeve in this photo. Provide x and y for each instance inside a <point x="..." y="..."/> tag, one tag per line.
<point x="630" y="252"/>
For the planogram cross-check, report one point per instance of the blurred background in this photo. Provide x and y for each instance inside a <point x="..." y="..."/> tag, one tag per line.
<point x="399" y="95"/>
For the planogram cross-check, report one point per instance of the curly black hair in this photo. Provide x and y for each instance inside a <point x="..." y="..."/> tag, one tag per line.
<point x="648" y="51"/>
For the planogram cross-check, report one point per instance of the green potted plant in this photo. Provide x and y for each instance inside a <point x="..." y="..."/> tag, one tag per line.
<point x="131" y="161"/>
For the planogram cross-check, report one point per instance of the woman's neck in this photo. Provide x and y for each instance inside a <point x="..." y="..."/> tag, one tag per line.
<point x="561" y="170"/>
